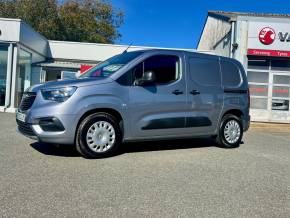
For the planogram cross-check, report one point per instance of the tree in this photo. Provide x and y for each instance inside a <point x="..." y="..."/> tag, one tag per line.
<point x="78" y="20"/>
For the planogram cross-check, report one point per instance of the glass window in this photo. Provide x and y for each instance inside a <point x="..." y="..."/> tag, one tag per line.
<point x="68" y="74"/>
<point x="230" y="74"/>
<point x="52" y="74"/>
<point x="258" y="64"/>
<point x="3" y="73"/>
<point x="23" y="73"/>
<point x="258" y="90"/>
<point x="280" y="65"/>
<point x="281" y="79"/>
<point x="281" y="91"/>
<point x="165" y="67"/>
<point x="205" y="71"/>
<point x="258" y="77"/>
<point x="111" y="65"/>
<point x="259" y="103"/>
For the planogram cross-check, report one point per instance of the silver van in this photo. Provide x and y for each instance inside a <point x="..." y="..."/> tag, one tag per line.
<point x="141" y="95"/>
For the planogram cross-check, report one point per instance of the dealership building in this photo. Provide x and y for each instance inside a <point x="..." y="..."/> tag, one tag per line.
<point x="261" y="42"/>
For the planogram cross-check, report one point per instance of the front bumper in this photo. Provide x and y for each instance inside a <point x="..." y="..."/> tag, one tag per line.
<point x="59" y="131"/>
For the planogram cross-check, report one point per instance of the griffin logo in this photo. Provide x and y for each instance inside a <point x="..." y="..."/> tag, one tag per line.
<point x="267" y="36"/>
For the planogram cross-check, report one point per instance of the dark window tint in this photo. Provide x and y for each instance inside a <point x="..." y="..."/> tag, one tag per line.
<point x="231" y="76"/>
<point x="138" y="71"/>
<point x="282" y="65"/>
<point x="258" y="63"/>
<point x="165" y="68"/>
<point x="205" y="71"/>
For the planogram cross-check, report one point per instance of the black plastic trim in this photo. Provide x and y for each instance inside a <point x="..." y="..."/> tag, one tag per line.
<point x="50" y="124"/>
<point x="177" y="122"/>
<point x="197" y="122"/>
<point x="166" y="123"/>
<point x="25" y="128"/>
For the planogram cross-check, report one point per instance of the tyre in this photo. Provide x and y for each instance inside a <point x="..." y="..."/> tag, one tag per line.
<point x="98" y="136"/>
<point x="230" y="132"/>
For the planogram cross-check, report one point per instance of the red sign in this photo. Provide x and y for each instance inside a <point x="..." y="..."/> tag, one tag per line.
<point x="271" y="53"/>
<point x="84" y="68"/>
<point x="267" y="36"/>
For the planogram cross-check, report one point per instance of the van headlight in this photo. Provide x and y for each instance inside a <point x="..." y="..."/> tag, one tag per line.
<point x="58" y="94"/>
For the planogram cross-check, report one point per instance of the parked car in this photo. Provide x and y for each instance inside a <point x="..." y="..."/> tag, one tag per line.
<point x="141" y="95"/>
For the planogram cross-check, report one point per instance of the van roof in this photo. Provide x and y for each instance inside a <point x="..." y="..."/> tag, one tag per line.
<point x="202" y="54"/>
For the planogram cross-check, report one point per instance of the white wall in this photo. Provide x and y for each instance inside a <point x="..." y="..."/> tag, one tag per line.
<point x="10" y="30"/>
<point x="242" y="40"/>
<point x="223" y="47"/>
<point x="214" y="31"/>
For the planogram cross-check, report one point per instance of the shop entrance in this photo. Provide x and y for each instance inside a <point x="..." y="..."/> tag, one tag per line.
<point x="280" y="97"/>
<point x="269" y="82"/>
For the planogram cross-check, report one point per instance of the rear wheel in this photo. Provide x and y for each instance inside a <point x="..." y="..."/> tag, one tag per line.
<point x="98" y="136"/>
<point x="230" y="132"/>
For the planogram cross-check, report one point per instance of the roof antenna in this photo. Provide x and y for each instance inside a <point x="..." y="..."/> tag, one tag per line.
<point x="126" y="50"/>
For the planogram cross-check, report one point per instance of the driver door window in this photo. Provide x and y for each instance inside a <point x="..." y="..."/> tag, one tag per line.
<point x="165" y="67"/>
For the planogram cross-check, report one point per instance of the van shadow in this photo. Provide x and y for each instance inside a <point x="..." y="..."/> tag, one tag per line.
<point x="132" y="147"/>
<point x="176" y="144"/>
<point x="55" y="150"/>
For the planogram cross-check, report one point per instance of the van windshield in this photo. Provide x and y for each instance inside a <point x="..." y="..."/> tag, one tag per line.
<point x="110" y="66"/>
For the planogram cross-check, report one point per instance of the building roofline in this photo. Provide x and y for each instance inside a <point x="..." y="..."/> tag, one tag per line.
<point x="117" y="45"/>
<point x="248" y="14"/>
<point x="10" y="19"/>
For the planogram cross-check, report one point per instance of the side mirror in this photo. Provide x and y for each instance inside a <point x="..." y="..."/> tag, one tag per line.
<point x="148" y="78"/>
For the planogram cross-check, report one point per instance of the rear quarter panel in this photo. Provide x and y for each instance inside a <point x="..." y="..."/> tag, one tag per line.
<point x="235" y="95"/>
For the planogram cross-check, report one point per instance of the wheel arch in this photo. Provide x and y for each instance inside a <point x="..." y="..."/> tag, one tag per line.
<point x="236" y="112"/>
<point x="115" y="113"/>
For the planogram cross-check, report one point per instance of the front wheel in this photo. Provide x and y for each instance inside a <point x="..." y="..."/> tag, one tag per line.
<point x="230" y="132"/>
<point x="98" y="136"/>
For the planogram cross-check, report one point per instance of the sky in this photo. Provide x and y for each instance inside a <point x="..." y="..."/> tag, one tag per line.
<point x="178" y="23"/>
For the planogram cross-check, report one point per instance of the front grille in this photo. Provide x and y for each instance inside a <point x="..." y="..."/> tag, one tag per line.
<point x="27" y="101"/>
<point x="25" y="128"/>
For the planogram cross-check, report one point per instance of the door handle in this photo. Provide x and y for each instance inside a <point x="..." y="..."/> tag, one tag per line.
<point x="177" y="92"/>
<point x="195" y="92"/>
